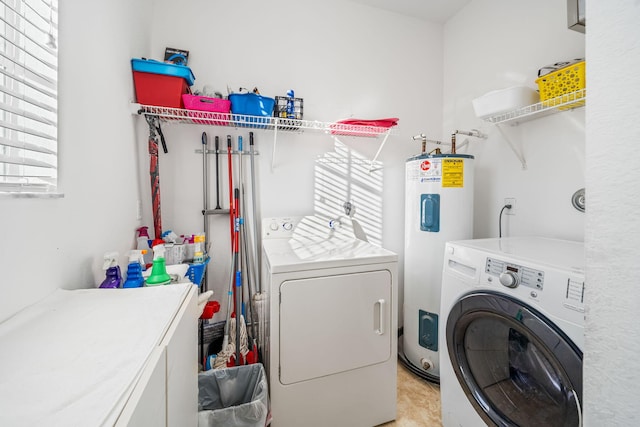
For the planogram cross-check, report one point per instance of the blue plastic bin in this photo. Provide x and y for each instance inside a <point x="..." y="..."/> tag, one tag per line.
<point x="259" y="107"/>
<point x="157" y="67"/>
<point x="195" y="272"/>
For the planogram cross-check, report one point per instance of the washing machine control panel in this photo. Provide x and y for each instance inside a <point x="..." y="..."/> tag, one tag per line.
<point x="511" y="275"/>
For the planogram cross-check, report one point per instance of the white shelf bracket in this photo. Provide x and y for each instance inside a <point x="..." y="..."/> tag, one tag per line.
<point x="518" y="154"/>
<point x="275" y="140"/>
<point x="384" y="140"/>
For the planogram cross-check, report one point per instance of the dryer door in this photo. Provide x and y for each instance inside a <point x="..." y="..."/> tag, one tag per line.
<point x="333" y="324"/>
<point x="516" y="366"/>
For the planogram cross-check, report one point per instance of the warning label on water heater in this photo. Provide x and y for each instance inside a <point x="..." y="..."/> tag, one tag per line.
<point x="452" y="173"/>
<point x="427" y="170"/>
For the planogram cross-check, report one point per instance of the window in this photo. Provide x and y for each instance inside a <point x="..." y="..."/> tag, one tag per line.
<point x="29" y="96"/>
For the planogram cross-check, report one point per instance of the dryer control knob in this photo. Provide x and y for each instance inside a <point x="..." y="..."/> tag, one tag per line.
<point x="508" y="279"/>
<point x="287" y="226"/>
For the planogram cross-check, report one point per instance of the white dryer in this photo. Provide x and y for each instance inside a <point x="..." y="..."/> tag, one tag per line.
<point x="333" y="329"/>
<point x="512" y="333"/>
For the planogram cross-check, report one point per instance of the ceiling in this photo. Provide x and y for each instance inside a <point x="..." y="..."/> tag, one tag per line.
<point x="430" y="10"/>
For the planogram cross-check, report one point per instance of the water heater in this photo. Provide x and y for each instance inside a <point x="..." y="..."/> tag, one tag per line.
<point x="438" y="208"/>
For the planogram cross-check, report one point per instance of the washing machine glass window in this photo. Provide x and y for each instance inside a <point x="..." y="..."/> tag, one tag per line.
<point x="519" y="368"/>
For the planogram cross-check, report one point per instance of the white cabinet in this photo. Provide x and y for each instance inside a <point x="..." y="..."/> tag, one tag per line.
<point x="123" y="357"/>
<point x="167" y="393"/>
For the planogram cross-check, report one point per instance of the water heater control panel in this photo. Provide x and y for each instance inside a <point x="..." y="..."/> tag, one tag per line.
<point x="512" y="275"/>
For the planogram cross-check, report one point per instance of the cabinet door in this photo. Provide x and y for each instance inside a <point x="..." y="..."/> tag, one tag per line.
<point x="147" y="405"/>
<point x="182" y="365"/>
<point x="333" y="324"/>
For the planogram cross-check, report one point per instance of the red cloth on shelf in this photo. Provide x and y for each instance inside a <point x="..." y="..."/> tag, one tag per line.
<point x="362" y="127"/>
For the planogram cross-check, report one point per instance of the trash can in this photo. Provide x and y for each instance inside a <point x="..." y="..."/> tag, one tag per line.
<point x="236" y="396"/>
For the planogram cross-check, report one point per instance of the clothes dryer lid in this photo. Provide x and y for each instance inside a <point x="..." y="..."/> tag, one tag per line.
<point x="295" y="255"/>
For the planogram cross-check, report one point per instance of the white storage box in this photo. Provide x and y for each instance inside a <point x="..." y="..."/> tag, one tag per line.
<point x="504" y="100"/>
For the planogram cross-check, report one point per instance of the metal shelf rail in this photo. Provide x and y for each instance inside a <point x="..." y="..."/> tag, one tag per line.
<point x="565" y="102"/>
<point x="178" y="115"/>
<point x="550" y="106"/>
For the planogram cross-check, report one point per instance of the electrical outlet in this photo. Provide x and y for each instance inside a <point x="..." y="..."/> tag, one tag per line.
<point x="510" y="201"/>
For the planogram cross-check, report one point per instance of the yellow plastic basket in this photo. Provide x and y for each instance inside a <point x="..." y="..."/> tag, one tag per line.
<point x="562" y="82"/>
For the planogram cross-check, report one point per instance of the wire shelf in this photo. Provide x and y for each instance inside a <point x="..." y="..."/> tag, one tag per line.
<point x="178" y="115"/>
<point x="550" y="106"/>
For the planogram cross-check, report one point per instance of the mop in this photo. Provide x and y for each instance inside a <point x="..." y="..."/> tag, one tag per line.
<point x="230" y="353"/>
<point x="234" y="347"/>
<point x="225" y="357"/>
<point x="260" y="298"/>
<point x="205" y="206"/>
<point x="247" y="260"/>
<point x="224" y="354"/>
<point x="240" y="248"/>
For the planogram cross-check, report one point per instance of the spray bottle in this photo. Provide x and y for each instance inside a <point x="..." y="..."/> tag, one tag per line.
<point x="159" y="274"/>
<point x="142" y="242"/>
<point x="113" y="277"/>
<point x="134" y="269"/>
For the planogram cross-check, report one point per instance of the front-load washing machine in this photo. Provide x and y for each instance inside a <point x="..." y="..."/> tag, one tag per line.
<point x="332" y="326"/>
<point x="512" y="333"/>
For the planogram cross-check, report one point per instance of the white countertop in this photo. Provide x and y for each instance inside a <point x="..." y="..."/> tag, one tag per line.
<point x="72" y="358"/>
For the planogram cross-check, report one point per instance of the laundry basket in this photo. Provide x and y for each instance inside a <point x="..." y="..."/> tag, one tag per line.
<point x="236" y="396"/>
<point x="563" y="85"/>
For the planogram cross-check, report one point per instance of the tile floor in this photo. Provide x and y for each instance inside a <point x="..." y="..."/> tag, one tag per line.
<point x="418" y="401"/>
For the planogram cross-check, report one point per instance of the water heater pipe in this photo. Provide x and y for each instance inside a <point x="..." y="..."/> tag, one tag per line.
<point x="473" y="132"/>
<point x="424" y="140"/>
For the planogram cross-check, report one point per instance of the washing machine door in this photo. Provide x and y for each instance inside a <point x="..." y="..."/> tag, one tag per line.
<point x="516" y="366"/>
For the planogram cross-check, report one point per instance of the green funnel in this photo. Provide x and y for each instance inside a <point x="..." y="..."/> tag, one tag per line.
<point x="158" y="274"/>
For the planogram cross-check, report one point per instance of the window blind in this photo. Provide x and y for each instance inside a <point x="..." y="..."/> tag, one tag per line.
<point x="28" y="96"/>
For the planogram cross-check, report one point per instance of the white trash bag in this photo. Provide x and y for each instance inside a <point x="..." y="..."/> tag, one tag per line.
<point x="236" y="396"/>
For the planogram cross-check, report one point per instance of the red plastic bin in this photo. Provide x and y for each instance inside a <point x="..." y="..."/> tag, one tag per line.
<point x="159" y="89"/>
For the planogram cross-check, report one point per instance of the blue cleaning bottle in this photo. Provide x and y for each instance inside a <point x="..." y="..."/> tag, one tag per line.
<point x="113" y="277"/>
<point x="134" y="269"/>
<point x="290" y="105"/>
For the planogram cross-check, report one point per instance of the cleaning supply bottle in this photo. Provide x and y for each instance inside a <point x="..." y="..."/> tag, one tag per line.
<point x="134" y="269"/>
<point x="159" y="274"/>
<point x="113" y="277"/>
<point x="290" y="105"/>
<point x="142" y="242"/>
<point x="199" y="248"/>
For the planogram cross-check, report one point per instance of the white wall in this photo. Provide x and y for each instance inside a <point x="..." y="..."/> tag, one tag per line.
<point x="59" y="243"/>
<point x="612" y="237"/>
<point x="343" y="59"/>
<point x="496" y="44"/>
